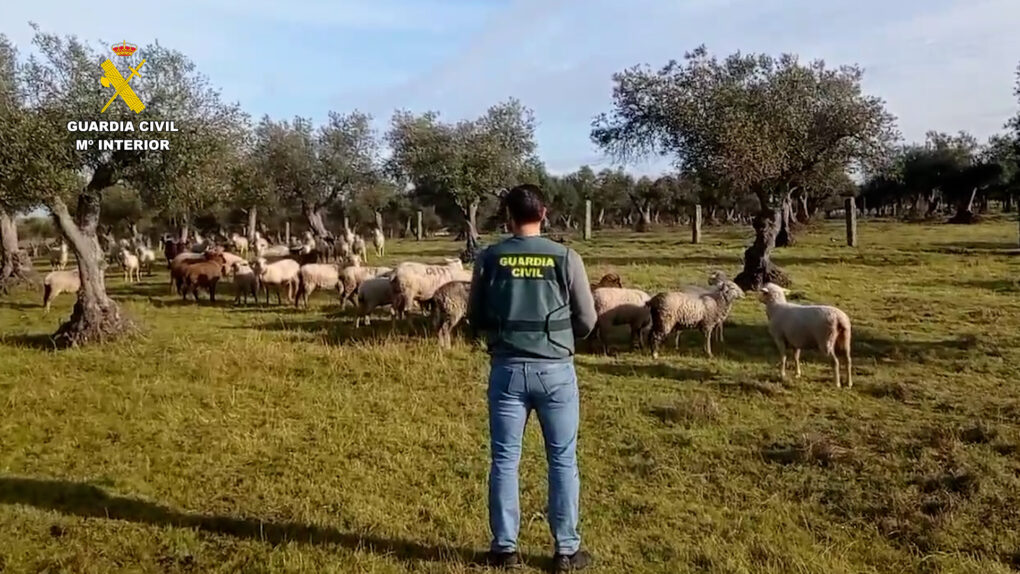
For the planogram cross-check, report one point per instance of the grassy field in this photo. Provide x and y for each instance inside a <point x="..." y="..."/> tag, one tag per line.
<point x="236" y="439"/>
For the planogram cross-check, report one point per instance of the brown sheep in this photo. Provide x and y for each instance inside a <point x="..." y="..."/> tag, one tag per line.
<point x="181" y="264"/>
<point x="608" y="280"/>
<point x="203" y="274"/>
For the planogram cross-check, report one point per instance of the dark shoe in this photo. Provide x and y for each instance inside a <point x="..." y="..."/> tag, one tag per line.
<point x="505" y="560"/>
<point x="569" y="562"/>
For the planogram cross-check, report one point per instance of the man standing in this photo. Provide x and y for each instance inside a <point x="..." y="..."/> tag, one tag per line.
<point x="531" y="296"/>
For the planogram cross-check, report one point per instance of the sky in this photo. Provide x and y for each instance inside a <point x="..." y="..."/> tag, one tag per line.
<point x="945" y="65"/>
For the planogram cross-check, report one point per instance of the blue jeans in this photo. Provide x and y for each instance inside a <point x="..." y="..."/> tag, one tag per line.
<point x="550" y="389"/>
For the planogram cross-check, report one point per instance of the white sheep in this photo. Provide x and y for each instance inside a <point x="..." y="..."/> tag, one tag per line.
<point x="59" y="256"/>
<point x="414" y="282"/>
<point x="358" y="247"/>
<point x="379" y="241"/>
<point x="621" y="306"/>
<point x="146" y="257"/>
<point x="240" y="243"/>
<point x="279" y="274"/>
<point x="245" y="282"/>
<point x="797" y="327"/>
<point x="353" y="275"/>
<point x="450" y="304"/>
<point x="275" y="251"/>
<point x="57" y="282"/>
<point x="260" y="244"/>
<point x="715" y="278"/>
<point x="685" y="310"/>
<point x="230" y="259"/>
<point x="129" y="262"/>
<point x="312" y="276"/>
<point x="372" y="294"/>
<point x="348" y="236"/>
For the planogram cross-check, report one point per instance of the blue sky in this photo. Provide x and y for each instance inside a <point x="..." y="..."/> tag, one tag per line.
<point x="940" y="64"/>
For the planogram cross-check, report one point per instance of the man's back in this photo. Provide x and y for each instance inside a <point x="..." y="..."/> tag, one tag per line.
<point x="531" y="296"/>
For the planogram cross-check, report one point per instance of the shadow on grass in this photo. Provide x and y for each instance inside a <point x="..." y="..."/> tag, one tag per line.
<point x="19" y="306"/>
<point x="753" y="343"/>
<point x="1008" y="285"/>
<point x="339" y="329"/>
<point x="86" y="500"/>
<point x="38" y="341"/>
<point x="660" y="371"/>
<point x="146" y="290"/>
<point x="974" y="247"/>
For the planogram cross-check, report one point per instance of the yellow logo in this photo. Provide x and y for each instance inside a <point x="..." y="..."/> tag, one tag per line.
<point x="112" y="77"/>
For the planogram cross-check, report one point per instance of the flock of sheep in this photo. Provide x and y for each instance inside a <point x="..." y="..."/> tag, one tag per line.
<point x="442" y="291"/>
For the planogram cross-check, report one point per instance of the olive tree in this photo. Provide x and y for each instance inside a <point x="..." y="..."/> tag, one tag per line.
<point x="751" y="123"/>
<point x="62" y="85"/>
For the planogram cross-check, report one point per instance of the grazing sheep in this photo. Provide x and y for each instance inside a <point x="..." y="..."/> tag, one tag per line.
<point x="274" y="251"/>
<point x="684" y="310"/>
<point x="619" y="306"/>
<point x="379" y="241"/>
<point x="804" y="326"/>
<point x="715" y="278"/>
<point x="146" y="258"/>
<point x="245" y="282"/>
<point x="449" y="305"/>
<point x="203" y="274"/>
<point x="260" y="244"/>
<point x="280" y="274"/>
<point x="413" y="282"/>
<point x="314" y="276"/>
<point x="58" y="256"/>
<point x="372" y="294"/>
<point x="186" y="259"/>
<point x="353" y="275"/>
<point x="608" y="280"/>
<point x="343" y="248"/>
<point x="57" y="282"/>
<point x="129" y="262"/>
<point x="239" y="243"/>
<point x="358" y="247"/>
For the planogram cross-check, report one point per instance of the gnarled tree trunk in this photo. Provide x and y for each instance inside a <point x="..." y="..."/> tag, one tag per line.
<point x="803" y="214"/>
<point x="253" y="217"/>
<point x="15" y="265"/>
<point x="96" y="317"/>
<point x="644" y="220"/>
<point x="784" y="238"/>
<point x="965" y="209"/>
<point x="758" y="267"/>
<point x="313" y="214"/>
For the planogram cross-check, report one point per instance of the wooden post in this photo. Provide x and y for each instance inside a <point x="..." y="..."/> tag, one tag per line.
<point x="851" y="222"/>
<point x="418" y="230"/>
<point x="587" y="220"/>
<point x="696" y="225"/>
<point x="347" y="223"/>
<point x="286" y="233"/>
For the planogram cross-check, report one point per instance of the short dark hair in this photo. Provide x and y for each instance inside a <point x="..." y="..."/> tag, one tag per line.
<point x="524" y="203"/>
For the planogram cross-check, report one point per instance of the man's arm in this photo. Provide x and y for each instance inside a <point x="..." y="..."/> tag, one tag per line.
<point x="582" y="306"/>
<point x="476" y="297"/>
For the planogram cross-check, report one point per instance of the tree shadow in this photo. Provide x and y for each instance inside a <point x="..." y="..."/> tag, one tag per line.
<point x="340" y="329"/>
<point x="20" y="306"/>
<point x="145" y="290"/>
<point x="753" y="343"/>
<point x="89" y="501"/>
<point x="974" y="247"/>
<point x="653" y="370"/>
<point x="37" y="341"/>
<point x="996" y="285"/>
<point x="669" y="261"/>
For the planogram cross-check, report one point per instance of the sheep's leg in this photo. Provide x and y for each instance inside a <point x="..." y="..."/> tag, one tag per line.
<point x="796" y="360"/>
<point x="781" y="345"/>
<point x="656" y="340"/>
<point x="708" y="339"/>
<point x="676" y="339"/>
<point x="719" y="330"/>
<point x="212" y="292"/>
<point x="849" y="377"/>
<point x="835" y="367"/>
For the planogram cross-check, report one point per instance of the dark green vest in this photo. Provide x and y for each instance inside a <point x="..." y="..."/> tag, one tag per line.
<point x="527" y="299"/>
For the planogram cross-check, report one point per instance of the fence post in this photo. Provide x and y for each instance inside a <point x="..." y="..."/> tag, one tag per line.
<point x="587" y="219"/>
<point x="696" y="225"/>
<point x="286" y="233"/>
<point x="417" y="231"/>
<point x="851" y="222"/>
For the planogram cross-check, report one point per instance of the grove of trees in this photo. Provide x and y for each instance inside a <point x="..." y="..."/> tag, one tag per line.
<point x="764" y="141"/>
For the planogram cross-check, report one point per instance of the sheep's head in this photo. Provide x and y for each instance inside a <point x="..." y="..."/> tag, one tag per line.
<point x="717" y="277"/>
<point x="772" y="293"/>
<point x="730" y="290"/>
<point x="608" y="280"/>
<point x="352" y="260"/>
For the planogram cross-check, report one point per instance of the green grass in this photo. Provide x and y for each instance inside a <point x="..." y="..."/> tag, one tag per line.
<point x="228" y="439"/>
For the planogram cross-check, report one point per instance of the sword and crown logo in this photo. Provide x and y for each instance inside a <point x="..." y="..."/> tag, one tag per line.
<point x="120" y="84"/>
